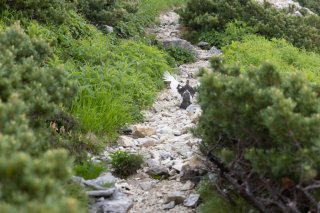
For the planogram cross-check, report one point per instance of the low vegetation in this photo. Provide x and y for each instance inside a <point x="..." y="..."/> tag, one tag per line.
<point x="258" y="127"/>
<point x="31" y="175"/>
<point x="313" y="5"/>
<point x="210" y="18"/>
<point x="125" y="164"/>
<point x="89" y="170"/>
<point x="215" y="198"/>
<point x="254" y="50"/>
<point x="65" y="89"/>
<point x="180" y="56"/>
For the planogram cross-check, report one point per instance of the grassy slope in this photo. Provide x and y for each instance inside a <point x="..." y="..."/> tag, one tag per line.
<point x="254" y="50"/>
<point x="117" y="78"/>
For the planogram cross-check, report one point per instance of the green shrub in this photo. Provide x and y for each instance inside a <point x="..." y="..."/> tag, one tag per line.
<point x="215" y="198"/>
<point x="108" y="12"/>
<point x="23" y="70"/>
<point x="215" y="15"/>
<point x="44" y="10"/>
<point x="31" y="176"/>
<point x="125" y="164"/>
<point x="254" y="50"/>
<point x="234" y="31"/>
<point x="263" y="123"/>
<point x="310" y="4"/>
<point x="181" y="56"/>
<point x="89" y="170"/>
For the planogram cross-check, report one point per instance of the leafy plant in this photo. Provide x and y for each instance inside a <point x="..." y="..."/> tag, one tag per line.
<point x="89" y="170"/>
<point x="125" y="164"/>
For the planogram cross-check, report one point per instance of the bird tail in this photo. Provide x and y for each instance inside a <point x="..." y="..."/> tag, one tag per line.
<point x="168" y="77"/>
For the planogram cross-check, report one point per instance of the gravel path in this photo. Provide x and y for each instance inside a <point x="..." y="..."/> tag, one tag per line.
<point x="164" y="139"/>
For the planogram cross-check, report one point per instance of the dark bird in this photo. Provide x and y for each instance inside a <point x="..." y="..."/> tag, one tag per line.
<point x="184" y="93"/>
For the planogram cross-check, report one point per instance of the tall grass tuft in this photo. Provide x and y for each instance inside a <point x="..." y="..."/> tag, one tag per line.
<point x="101" y="112"/>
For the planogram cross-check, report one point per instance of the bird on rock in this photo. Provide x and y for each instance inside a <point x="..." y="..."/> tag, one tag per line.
<point x="183" y="93"/>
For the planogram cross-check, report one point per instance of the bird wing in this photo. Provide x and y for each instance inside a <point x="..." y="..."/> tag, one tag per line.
<point x="173" y="83"/>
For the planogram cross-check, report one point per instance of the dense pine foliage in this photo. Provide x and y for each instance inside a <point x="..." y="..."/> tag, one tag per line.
<point x="260" y="105"/>
<point x="31" y="175"/>
<point x="209" y="19"/>
<point x="261" y="129"/>
<point x="313" y="5"/>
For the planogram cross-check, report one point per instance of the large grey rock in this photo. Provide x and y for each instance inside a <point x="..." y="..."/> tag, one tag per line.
<point x="204" y="45"/>
<point x="165" y="130"/>
<point x="146" y="142"/>
<point x="180" y="43"/>
<point x="170" y="205"/>
<point x="119" y="203"/>
<point x="125" y="141"/>
<point x="165" y="154"/>
<point x="177" y="197"/>
<point x="108" y="28"/>
<point x="178" y="164"/>
<point x="101" y="193"/>
<point x="146" y="185"/>
<point x="215" y="51"/>
<point x="155" y="168"/>
<point x="104" y="180"/>
<point x="192" y="200"/>
<point x="187" y="186"/>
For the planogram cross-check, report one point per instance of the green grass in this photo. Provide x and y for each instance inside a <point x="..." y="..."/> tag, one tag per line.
<point x="255" y="49"/>
<point x="89" y="170"/>
<point x="101" y="112"/>
<point x="116" y="78"/>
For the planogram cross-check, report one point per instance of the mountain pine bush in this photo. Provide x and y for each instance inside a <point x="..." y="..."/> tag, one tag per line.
<point x="32" y="178"/>
<point x="108" y="12"/>
<point x="260" y="128"/>
<point x="24" y="71"/>
<point x="313" y="5"/>
<point x="41" y="10"/>
<point x="213" y="17"/>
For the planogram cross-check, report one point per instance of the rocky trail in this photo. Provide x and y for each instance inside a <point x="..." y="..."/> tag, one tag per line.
<point x="166" y="183"/>
<point x="173" y="163"/>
